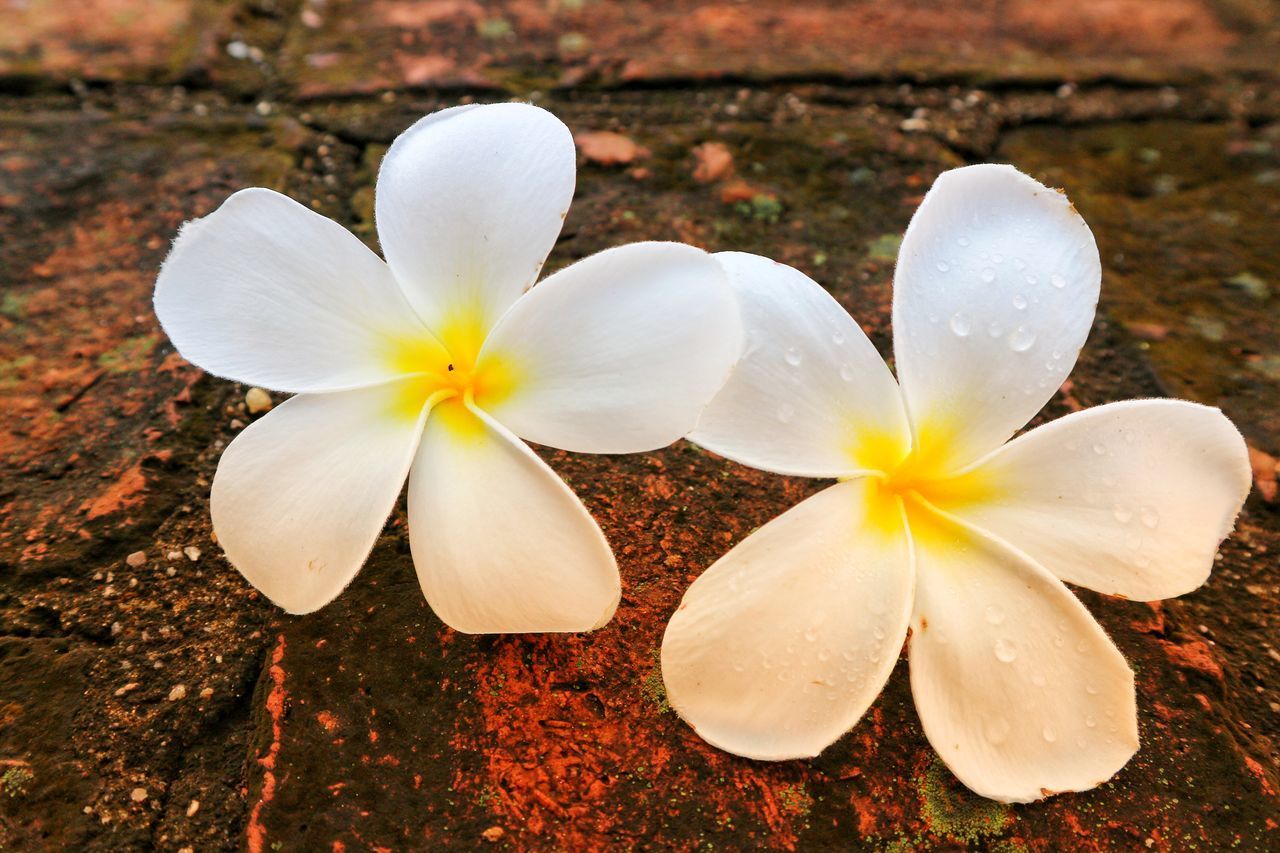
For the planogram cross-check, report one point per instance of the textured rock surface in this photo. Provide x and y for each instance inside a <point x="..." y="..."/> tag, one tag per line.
<point x="161" y="702"/>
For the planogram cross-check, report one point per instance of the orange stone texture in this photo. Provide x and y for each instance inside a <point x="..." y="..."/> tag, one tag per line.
<point x="805" y="130"/>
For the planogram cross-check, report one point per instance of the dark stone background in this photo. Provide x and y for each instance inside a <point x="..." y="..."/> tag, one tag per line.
<point x="166" y="705"/>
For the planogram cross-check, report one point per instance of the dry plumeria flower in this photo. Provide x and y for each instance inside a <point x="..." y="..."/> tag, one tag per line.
<point x="938" y="526"/>
<point x="434" y="365"/>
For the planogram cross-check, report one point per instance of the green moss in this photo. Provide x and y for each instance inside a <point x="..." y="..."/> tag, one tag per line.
<point x="795" y="799"/>
<point x="129" y="355"/>
<point x="653" y="688"/>
<point x="13" y="305"/>
<point x="885" y="247"/>
<point x="953" y="811"/>
<point x="15" y="781"/>
<point x="762" y="208"/>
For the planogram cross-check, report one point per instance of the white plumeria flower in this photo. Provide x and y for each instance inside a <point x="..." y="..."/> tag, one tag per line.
<point x="937" y="526"/>
<point x="434" y="365"/>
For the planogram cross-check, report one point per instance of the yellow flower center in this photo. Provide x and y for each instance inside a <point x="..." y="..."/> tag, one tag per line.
<point x="448" y="372"/>
<point x="914" y="479"/>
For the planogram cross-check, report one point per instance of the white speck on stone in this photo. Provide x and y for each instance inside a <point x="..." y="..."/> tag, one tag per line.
<point x="138" y="794"/>
<point x="192" y="552"/>
<point x="173" y="555"/>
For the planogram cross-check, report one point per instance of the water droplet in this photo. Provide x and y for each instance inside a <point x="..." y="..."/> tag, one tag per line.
<point x="962" y="241"/>
<point x="1059" y="642"/>
<point x="739" y="667"/>
<point x="1082" y="646"/>
<point x="994" y="614"/>
<point x="988" y="275"/>
<point x="1142" y="561"/>
<point x="1019" y="264"/>
<point x="1032" y="280"/>
<point x="1100" y="449"/>
<point x="996" y="729"/>
<point x="1122" y="513"/>
<point x="1133" y="541"/>
<point x="1091" y="690"/>
<point x="960" y="325"/>
<point x="1049" y="734"/>
<point x="879" y="633"/>
<point x="1091" y="721"/>
<point x="998" y="258"/>
<point x="1057" y="281"/>
<point x="1019" y="301"/>
<point x="793" y="357"/>
<point x="1150" y="517"/>
<point x="995" y="330"/>
<point x="837" y="338"/>
<point x="786" y="412"/>
<point x="1005" y="651"/>
<point x="810" y="634"/>
<point x="942" y="266"/>
<point x="823" y="654"/>
<point x="1038" y="680"/>
<point x="1130" y="437"/>
<point x="1021" y="339"/>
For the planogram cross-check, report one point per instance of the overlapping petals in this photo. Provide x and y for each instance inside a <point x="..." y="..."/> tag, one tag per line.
<point x="1019" y="690"/>
<point x="617" y="353"/>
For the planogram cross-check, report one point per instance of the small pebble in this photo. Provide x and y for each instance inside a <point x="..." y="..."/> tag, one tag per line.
<point x="171" y="571"/>
<point x="173" y="555"/>
<point x="236" y="423"/>
<point x="257" y="401"/>
<point x="136" y="559"/>
<point x="192" y="552"/>
<point x="206" y="693"/>
<point x="116" y="628"/>
<point x="179" y="691"/>
<point x="493" y="834"/>
<point x="193" y="807"/>
<point x="132" y="685"/>
<point x="138" y="794"/>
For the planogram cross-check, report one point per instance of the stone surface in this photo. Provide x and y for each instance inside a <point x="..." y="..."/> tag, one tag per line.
<point x="369" y="724"/>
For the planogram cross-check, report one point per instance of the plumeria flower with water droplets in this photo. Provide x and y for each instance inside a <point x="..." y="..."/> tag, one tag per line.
<point x="939" y="525"/>
<point x="435" y="365"/>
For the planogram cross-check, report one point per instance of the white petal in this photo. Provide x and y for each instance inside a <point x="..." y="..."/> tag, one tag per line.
<point x="500" y="543"/>
<point x="270" y="293"/>
<point x="1130" y="499"/>
<point x="1017" y="687"/>
<point x="618" y="353"/>
<point x="779" y="648"/>
<point x="469" y="202"/>
<point x="809" y="387"/>
<point x="994" y="295"/>
<point x="301" y="495"/>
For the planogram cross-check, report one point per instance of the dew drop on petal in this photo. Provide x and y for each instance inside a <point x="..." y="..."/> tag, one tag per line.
<point x="1091" y="721"/>
<point x="994" y="614"/>
<point x="1019" y="301"/>
<point x="1021" y="339"/>
<point x="1057" y="281"/>
<point x="1019" y="264"/>
<point x="1122" y="513"/>
<point x="988" y="275"/>
<point x="1150" y="518"/>
<point x="810" y="634"/>
<point x="1100" y="449"/>
<point x="1032" y="279"/>
<point x="1049" y="734"/>
<point x="998" y="258"/>
<point x="995" y="330"/>
<point x="962" y="241"/>
<point x="846" y="372"/>
<point x="1091" y="690"/>
<point x="943" y="266"/>
<point x="1005" y="651"/>
<point x="793" y="357"/>
<point x="1038" y="680"/>
<point x="1082" y="647"/>
<point x="960" y="325"/>
<point x="739" y="666"/>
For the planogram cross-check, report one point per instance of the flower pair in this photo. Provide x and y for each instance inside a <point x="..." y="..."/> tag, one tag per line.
<point x="437" y="363"/>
